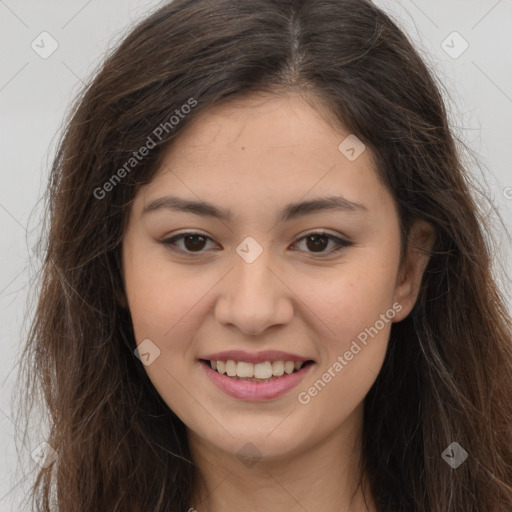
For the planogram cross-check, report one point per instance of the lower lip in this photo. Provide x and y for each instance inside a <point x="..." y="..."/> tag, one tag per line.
<point x="256" y="391"/>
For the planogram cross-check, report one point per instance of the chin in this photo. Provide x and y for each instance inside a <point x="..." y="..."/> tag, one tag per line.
<point x="253" y="446"/>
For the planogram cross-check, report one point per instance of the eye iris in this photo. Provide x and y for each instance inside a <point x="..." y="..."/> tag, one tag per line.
<point x="193" y="246"/>
<point x="317" y="245"/>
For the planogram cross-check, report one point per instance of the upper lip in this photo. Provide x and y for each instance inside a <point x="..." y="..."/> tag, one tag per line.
<point x="254" y="357"/>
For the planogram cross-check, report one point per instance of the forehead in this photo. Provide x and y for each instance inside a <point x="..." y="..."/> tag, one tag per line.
<point x="260" y="122"/>
<point x="265" y="149"/>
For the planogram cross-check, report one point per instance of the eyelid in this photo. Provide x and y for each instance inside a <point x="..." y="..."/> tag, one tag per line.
<point x="341" y="242"/>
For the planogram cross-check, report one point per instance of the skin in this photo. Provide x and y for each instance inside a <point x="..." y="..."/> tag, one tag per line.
<point x="253" y="156"/>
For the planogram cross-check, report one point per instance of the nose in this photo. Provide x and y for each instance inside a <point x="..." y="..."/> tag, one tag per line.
<point x="254" y="296"/>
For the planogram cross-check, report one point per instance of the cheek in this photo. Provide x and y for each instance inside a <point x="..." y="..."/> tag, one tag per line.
<point x="159" y="295"/>
<point x="358" y="310"/>
<point x="352" y="300"/>
<point x="166" y="307"/>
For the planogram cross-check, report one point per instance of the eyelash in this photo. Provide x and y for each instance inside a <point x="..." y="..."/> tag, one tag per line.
<point x="341" y="244"/>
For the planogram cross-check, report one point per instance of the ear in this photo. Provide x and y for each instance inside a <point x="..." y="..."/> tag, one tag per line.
<point x="420" y="242"/>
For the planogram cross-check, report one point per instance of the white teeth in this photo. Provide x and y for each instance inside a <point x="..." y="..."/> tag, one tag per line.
<point x="289" y="366"/>
<point x="277" y="368"/>
<point x="231" y="368"/>
<point x="262" y="371"/>
<point x="244" y="369"/>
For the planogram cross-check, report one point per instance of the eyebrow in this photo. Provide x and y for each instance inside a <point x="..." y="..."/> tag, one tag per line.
<point x="289" y="212"/>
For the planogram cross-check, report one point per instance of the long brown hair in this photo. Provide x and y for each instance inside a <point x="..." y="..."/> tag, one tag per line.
<point x="447" y="376"/>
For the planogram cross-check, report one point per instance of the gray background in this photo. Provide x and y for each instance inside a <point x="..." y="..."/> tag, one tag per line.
<point x="35" y="93"/>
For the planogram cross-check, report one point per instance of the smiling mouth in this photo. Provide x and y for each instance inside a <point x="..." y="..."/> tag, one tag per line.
<point x="260" y="372"/>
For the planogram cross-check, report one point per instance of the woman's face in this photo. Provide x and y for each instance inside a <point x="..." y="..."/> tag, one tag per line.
<point x="254" y="288"/>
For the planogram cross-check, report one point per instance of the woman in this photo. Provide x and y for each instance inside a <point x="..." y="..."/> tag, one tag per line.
<point x="198" y="347"/>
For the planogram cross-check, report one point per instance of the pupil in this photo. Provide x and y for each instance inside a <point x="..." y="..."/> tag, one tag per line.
<point x="193" y="246"/>
<point x="316" y="244"/>
<point x="317" y="241"/>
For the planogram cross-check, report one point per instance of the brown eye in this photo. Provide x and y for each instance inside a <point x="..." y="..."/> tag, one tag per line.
<point x="318" y="242"/>
<point x="315" y="243"/>
<point x="189" y="242"/>
<point x="194" y="242"/>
